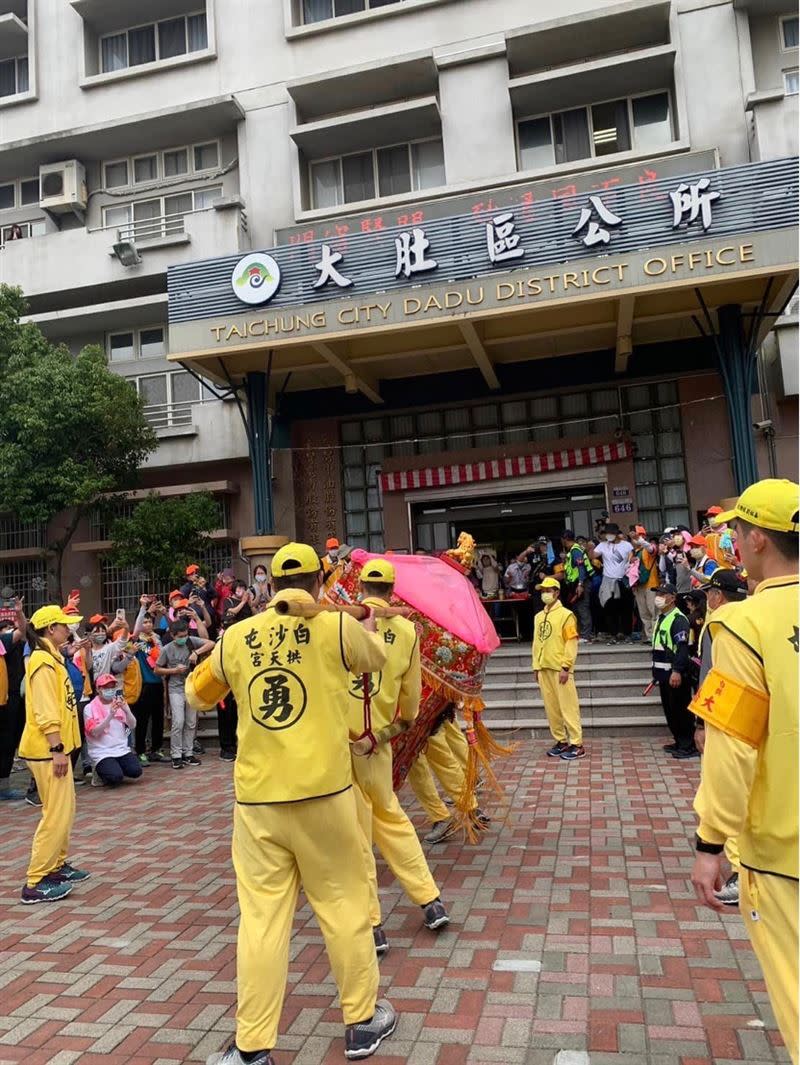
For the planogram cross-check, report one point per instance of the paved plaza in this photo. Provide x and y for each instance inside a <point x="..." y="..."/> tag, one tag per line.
<point x="575" y="930"/>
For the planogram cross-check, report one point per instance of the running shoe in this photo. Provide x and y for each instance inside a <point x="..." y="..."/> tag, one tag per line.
<point x="573" y="751"/>
<point x="441" y="831"/>
<point x="157" y="756"/>
<point x="45" y="891"/>
<point x="191" y="760"/>
<point x="71" y="874"/>
<point x="557" y="749"/>
<point x="435" y="915"/>
<point x="728" y="894"/>
<point x="233" y="1056"/>
<point x="670" y="747"/>
<point x="362" y="1040"/>
<point x="144" y="760"/>
<point x="177" y="763"/>
<point x="681" y="753"/>
<point x="381" y="942"/>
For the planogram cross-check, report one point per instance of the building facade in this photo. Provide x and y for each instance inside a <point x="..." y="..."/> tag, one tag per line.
<point x="146" y="151"/>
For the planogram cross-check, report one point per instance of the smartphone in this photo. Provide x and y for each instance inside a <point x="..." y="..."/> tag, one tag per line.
<point x="120" y="614"/>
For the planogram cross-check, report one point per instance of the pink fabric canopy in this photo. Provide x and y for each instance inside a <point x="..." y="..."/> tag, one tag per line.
<point x="443" y="594"/>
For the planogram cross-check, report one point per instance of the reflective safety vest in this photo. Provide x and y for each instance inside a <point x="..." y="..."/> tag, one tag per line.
<point x="664" y="644"/>
<point x="574" y="558"/>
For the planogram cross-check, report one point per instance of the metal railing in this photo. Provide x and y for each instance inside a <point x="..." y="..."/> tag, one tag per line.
<point x="166" y="415"/>
<point x="165" y="225"/>
<point x="16" y="535"/>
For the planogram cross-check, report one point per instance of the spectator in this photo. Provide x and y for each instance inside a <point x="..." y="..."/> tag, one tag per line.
<point x="646" y="551"/>
<point x="199" y="595"/>
<point x="330" y="560"/>
<point x="222" y="590"/>
<point x="517" y="575"/>
<point x="149" y="707"/>
<point x="120" y="634"/>
<point x="671" y="671"/>
<point x="701" y="565"/>
<point x="488" y="573"/>
<point x="239" y="606"/>
<point x="108" y="655"/>
<point x="260" y="591"/>
<point x="107" y="719"/>
<point x="12" y="707"/>
<point x="614" y="552"/>
<point x="577" y="576"/>
<point x="175" y="661"/>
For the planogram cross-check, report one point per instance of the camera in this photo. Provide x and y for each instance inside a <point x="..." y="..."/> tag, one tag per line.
<point x="765" y="426"/>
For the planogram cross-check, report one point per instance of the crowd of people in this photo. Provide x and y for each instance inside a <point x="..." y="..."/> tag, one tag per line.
<point x="311" y="798"/>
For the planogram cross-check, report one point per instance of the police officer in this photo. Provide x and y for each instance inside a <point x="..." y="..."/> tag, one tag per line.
<point x="295" y="818"/>
<point x="672" y="671"/>
<point x="577" y="575"/>
<point x="749" y="701"/>
<point x="394" y="703"/>
<point x="555" y="649"/>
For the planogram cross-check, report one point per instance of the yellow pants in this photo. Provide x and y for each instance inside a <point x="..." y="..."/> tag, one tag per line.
<point x="443" y="754"/>
<point x="562" y="707"/>
<point x="769" y="910"/>
<point x="51" y="840"/>
<point x="276" y="848"/>
<point x="384" y="822"/>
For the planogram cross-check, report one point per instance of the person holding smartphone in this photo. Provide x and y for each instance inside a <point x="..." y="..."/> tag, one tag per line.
<point x="107" y="719"/>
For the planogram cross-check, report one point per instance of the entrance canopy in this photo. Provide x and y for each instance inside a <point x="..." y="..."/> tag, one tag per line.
<point x="614" y="266"/>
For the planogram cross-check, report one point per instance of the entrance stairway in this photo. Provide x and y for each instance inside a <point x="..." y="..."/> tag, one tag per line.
<point x="610" y="680"/>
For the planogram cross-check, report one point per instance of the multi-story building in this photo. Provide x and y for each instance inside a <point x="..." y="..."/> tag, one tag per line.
<point x="563" y="355"/>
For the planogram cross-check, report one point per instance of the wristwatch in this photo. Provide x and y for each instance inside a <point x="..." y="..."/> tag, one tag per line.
<point x="58" y="749"/>
<point x="702" y="847"/>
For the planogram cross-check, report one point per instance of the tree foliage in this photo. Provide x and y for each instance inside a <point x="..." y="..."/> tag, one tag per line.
<point x="70" y="430"/>
<point x="163" y="535"/>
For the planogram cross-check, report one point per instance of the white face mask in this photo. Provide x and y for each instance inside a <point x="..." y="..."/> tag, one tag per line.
<point x="697" y="552"/>
<point x="610" y="538"/>
<point x="333" y="555"/>
<point x="261" y="577"/>
<point x="98" y="637"/>
<point x="548" y="597"/>
<point x="660" y="602"/>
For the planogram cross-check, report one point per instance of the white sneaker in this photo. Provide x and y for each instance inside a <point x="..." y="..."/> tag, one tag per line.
<point x="96" y="781"/>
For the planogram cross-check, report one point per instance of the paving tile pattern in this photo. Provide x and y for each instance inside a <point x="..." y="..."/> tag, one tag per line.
<point x="585" y="871"/>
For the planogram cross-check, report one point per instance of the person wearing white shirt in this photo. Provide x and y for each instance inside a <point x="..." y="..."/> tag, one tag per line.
<point x="615" y="553"/>
<point x="108" y="721"/>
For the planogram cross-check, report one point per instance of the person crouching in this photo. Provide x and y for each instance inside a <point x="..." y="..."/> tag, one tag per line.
<point x="107" y="719"/>
<point x="555" y="649"/>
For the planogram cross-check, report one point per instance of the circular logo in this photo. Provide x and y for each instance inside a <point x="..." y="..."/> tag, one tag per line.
<point x="255" y="278"/>
<point x="373" y="685"/>
<point x="277" y="698"/>
<point x="545" y="630"/>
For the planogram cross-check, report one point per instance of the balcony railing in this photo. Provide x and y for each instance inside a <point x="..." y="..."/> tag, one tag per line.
<point x="167" y="415"/>
<point x="166" y="225"/>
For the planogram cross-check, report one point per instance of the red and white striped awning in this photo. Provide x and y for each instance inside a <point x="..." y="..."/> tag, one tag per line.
<point x="499" y="469"/>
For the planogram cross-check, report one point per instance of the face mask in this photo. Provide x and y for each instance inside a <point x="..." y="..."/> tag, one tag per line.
<point x="548" y="597"/>
<point x="610" y="538"/>
<point x="696" y="552"/>
<point x="181" y="640"/>
<point x="333" y="556"/>
<point x="98" y="637"/>
<point x="261" y="577"/>
<point x="106" y="694"/>
<point x="660" y="602"/>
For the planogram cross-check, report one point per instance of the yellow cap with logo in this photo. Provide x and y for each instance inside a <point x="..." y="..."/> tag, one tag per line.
<point x="46" y="616"/>
<point x="378" y="571"/>
<point x="769" y="504"/>
<point x="293" y="559"/>
<point x="548" y="582"/>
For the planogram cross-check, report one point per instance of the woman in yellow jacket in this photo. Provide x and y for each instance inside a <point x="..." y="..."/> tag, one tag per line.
<point x="51" y="734"/>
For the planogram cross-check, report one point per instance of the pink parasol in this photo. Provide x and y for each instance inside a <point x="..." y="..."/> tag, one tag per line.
<point x="442" y="593"/>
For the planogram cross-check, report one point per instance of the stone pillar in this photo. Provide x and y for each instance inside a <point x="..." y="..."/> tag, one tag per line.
<point x="259" y="550"/>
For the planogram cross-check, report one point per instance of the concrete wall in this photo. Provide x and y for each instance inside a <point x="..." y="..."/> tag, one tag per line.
<point x="770" y="59"/>
<point x="706" y="441"/>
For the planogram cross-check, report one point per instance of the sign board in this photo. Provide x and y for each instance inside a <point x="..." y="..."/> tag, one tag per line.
<point x="621" y="492"/>
<point x="622" y="508"/>
<point x="493" y="200"/>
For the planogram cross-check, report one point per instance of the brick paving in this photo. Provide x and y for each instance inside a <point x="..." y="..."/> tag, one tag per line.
<point x="583" y="877"/>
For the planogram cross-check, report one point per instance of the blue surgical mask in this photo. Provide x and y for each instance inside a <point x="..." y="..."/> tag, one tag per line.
<point x="106" y="694"/>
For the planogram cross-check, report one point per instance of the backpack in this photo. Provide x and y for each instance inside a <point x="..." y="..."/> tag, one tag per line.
<point x="644" y="572"/>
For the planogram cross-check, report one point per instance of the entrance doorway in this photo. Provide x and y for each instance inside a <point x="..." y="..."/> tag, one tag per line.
<point x="506" y="520"/>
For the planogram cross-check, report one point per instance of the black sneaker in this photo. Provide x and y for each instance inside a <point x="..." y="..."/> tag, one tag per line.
<point x="683" y="753"/>
<point x="32" y="798"/>
<point x="362" y="1040"/>
<point x="157" y="756"/>
<point x="435" y="915"/>
<point x="198" y="748"/>
<point x="234" y="1056"/>
<point x="228" y="756"/>
<point x="177" y="763"/>
<point x="191" y="760"/>
<point x="483" y="819"/>
<point x="557" y="749"/>
<point x="573" y="751"/>
<point x="670" y="747"/>
<point x="381" y="942"/>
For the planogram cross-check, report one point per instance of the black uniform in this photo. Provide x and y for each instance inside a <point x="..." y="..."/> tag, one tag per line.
<point x="671" y="655"/>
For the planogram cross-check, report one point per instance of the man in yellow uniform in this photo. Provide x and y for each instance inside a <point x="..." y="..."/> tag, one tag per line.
<point x="295" y="818"/>
<point x="394" y="695"/>
<point x="749" y="787"/>
<point x="555" y="649"/>
<point x="445" y="755"/>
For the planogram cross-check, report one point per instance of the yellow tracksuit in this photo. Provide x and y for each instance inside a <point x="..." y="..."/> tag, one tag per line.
<point x="749" y="786"/>
<point x="555" y="647"/>
<point x="395" y="691"/>
<point x="446" y="753"/>
<point x="295" y="822"/>
<point x="50" y="706"/>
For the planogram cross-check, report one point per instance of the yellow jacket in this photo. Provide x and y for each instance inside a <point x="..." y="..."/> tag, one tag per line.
<point x="50" y="706"/>
<point x="291" y="679"/>
<point x="555" y="638"/>
<point x="749" y="700"/>
<point x="394" y="691"/>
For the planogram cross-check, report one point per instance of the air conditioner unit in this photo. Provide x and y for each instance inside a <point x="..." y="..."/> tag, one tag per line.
<point x="62" y="187"/>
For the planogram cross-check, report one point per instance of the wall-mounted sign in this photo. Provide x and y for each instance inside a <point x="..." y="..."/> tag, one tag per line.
<point x="622" y="508"/>
<point x="256" y="278"/>
<point x="621" y="492"/>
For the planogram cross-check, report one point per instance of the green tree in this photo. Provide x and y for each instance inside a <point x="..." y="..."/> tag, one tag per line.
<point x="70" y="430"/>
<point x="163" y="535"/>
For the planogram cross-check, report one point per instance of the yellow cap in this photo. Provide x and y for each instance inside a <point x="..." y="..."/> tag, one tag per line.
<point x="770" y="504"/>
<point x="293" y="559"/>
<point x="378" y="571"/>
<point x="548" y="582"/>
<point x="46" y="616"/>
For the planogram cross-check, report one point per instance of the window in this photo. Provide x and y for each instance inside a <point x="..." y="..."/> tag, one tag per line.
<point x="391" y="171"/>
<point x="28" y="579"/>
<point x="146" y="343"/>
<point x="206" y="156"/>
<point x="14" y="76"/>
<point x="145" y="168"/>
<point x="176" y="162"/>
<point x="115" y="175"/>
<point x="29" y="191"/>
<point x="22" y="230"/>
<point x="169" y="397"/>
<point x="161" y="216"/>
<point x="171" y="163"/>
<point x="7" y="197"/>
<point x="21" y="193"/>
<point x="153" y="42"/>
<point x="641" y="122"/>
<point x="790" y="32"/>
<point x="16" y="534"/>
<point x="791" y="82"/>
<point x="319" y="10"/>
